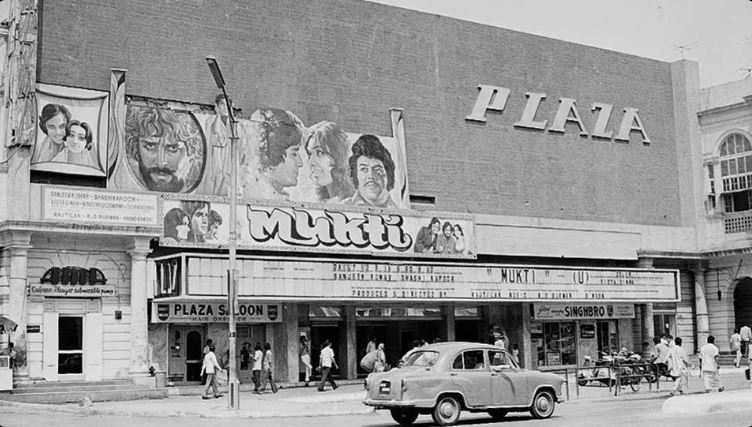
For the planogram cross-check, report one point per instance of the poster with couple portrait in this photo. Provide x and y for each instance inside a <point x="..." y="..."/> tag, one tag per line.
<point x="71" y="132"/>
<point x="183" y="148"/>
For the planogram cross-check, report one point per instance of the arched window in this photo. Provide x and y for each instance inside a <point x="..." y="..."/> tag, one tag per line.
<point x="736" y="172"/>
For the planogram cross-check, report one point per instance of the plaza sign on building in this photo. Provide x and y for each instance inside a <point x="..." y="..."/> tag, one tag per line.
<point x="583" y="311"/>
<point x="202" y="312"/>
<point x="402" y="281"/>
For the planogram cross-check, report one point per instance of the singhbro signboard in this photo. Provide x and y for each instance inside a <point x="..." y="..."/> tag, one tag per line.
<point x="403" y="281"/>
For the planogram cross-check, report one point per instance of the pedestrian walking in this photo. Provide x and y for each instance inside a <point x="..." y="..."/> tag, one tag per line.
<point x="735" y="344"/>
<point x="305" y="358"/>
<point x="268" y="366"/>
<point x="661" y="356"/>
<point x="206" y="349"/>
<point x="380" y="364"/>
<point x="678" y="365"/>
<point x="258" y="358"/>
<point x="326" y="363"/>
<point x="210" y="368"/>
<point x="709" y="368"/>
<point x="746" y="335"/>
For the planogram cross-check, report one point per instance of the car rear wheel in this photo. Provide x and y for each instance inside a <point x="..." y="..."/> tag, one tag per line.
<point x="497" y="414"/>
<point x="543" y="404"/>
<point x="447" y="411"/>
<point x="404" y="417"/>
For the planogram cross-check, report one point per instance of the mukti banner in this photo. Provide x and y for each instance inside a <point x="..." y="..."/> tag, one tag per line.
<point x="201" y="223"/>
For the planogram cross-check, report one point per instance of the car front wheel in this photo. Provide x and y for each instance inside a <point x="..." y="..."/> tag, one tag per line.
<point x="404" y="417"/>
<point x="543" y="404"/>
<point x="447" y="411"/>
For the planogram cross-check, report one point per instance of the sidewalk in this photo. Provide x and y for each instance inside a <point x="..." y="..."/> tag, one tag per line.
<point x="347" y="400"/>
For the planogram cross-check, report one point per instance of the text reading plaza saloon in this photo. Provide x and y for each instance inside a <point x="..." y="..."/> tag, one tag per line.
<point x="221" y="310"/>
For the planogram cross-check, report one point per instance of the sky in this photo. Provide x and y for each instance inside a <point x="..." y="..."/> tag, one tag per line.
<point x="715" y="33"/>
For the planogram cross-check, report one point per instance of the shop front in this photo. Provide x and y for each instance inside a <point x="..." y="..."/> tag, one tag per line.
<point x="400" y="302"/>
<point x="181" y="327"/>
<point x="564" y="334"/>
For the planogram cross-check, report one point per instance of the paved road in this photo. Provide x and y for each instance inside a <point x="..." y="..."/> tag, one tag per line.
<point x="618" y="413"/>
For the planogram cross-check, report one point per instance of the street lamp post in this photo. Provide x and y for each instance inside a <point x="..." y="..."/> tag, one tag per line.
<point x="232" y="291"/>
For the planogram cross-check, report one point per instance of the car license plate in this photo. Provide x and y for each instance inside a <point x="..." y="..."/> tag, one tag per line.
<point x="385" y="387"/>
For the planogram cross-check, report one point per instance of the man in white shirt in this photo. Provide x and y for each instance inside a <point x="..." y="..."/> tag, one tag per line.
<point x="210" y="368"/>
<point x="327" y="362"/>
<point x="746" y="334"/>
<point x="709" y="365"/>
<point x="678" y="365"/>
<point x="258" y="358"/>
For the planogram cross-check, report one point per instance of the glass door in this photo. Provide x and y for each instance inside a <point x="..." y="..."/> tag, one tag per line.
<point x="70" y="345"/>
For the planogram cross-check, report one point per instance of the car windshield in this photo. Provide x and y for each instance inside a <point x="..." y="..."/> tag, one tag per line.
<point x="422" y="358"/>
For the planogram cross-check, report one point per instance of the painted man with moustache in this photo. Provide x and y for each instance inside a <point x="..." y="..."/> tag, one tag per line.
<point x="372" y="173"/>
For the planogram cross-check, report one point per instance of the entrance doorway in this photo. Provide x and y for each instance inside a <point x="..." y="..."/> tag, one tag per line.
<point x="186" y="353"/>
<point x="70" y="345"/>
<point x="743" y="303"/>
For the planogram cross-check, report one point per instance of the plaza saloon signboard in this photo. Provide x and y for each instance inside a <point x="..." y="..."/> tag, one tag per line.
<point x="211" y="312"/>
<point x="199" y="223"/>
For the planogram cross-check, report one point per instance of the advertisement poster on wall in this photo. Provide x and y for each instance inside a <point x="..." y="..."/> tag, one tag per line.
<point x="185" y="149"/>
<point x="72" y="128"/>
<point x="202" y="223"/>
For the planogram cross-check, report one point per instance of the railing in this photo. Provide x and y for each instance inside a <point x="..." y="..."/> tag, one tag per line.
<point x="737" y="222"/>
<point x="615" y="376"/>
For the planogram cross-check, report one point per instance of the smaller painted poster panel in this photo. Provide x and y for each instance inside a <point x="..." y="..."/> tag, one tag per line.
<point x="71" y="134"/>
<point x="583" y="311"/>
<point x="98" y="207"/>
<point x="190" y="222"/>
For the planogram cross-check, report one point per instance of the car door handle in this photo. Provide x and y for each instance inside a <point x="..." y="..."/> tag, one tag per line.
<point x="452" y="374"/>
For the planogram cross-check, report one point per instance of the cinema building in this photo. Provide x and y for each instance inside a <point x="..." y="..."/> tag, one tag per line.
<point x="402" y="176"/>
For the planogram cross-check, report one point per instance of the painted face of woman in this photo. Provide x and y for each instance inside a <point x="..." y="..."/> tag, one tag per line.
<point x="321" y="163"/>
<point x="76" y="139"/>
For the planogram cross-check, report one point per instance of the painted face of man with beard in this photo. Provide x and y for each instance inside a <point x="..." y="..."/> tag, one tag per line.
<point x="161" y="158"/>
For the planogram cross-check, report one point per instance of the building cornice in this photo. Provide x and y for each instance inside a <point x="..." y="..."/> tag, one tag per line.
<point x="78" y="228"/>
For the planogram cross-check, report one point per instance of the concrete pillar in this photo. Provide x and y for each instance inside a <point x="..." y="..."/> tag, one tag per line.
<point x="17" y="245"/>
<point x="349" y="366"/>
<point x="702" y="321"/>
<point x="526" y="344"/>
<point x="289" y="371"/>
<point x="139" y="323"/>
<point x="647" y="310"/>
<point x="449" y="322"/>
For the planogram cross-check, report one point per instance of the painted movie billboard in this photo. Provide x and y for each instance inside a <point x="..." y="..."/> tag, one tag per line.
<point x="71" y="132"/>
<point x="171" y="148"/>
<point x="205" y="224"/>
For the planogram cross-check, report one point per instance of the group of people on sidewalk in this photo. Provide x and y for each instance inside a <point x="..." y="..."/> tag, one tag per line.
<point x="740" y="343"/>
<point x="261" y="360"/>
<point x="672" y="360"/>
